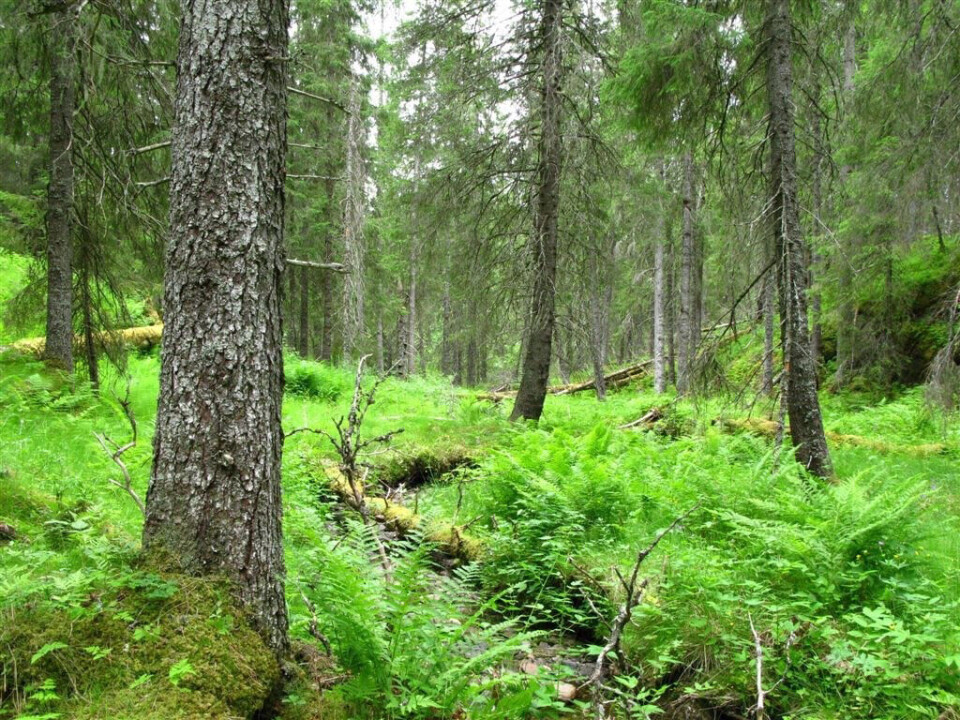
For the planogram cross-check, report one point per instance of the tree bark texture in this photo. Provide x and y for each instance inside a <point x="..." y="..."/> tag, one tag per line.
<point x="303" y="337"/>
<point x="214" y="494"/>
<point x="327" y="281"/>
<point x="688" y="263"/>
<point x="536" y="363"/>
<point x="353" y="287"/>
<point x="803" y="404"/>
<point x="659" y="318"/>
<point x="62" y="42"/>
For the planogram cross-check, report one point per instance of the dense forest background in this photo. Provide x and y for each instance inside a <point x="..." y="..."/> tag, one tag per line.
<point x="710" y="249"/>
<point x="413" y="160"/>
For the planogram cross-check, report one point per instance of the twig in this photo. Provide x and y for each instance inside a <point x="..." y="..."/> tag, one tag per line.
<point x="634" y="594"/>
<point x="760" y="708"/>
<point x="314" y="625"/>
<point x="320" y="98"/>
<point x="119" y="450"/>
<point x="332" y="266"/>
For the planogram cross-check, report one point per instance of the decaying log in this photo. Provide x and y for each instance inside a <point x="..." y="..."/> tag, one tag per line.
<point x="451" y="539"/>
<point x="646" y="421"/>
<point x="615" y="379"/>
<point x="144" y="337"/>
<point x="768" y="428"/>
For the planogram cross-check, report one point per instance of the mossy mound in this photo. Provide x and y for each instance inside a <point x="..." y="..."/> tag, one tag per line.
<point x="157" y="645"/>
<point x="413" y="467"/>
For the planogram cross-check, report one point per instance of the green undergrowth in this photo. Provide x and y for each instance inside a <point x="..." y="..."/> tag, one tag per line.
<point x="864" y="573"/>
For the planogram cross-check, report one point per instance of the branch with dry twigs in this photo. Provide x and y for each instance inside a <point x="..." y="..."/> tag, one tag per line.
<point x="118" y="450"/>
<point x="633" y="596"/>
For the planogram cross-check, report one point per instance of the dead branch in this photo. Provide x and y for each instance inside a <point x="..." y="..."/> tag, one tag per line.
<point x="334" y="267"/>
<point x="294" y="176"/>
<point x="314" y="624"/>
<point x="759" y="709"/>
<point x="119" y="450"/>
<point x="633" y="597"/>
<point x="319" y="98"/>
<point x="150" y="148"/>
<point x="652" y="415"/>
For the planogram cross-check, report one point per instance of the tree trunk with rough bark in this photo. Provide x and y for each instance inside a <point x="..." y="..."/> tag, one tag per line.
<point x="214" y="494"/>
<point x="688" y="262"/>
<point x="62" y="41"/>
<point x="659" y="318"/>
<point x="354" y="210"/>
<point x="303" y="337"/>
<point x="803" y="405"/>
<point x="327" y="280"/>
<point x="536" y="362"/>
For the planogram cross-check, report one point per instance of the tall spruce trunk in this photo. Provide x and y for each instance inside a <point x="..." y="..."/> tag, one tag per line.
<point x="327" y="281"/>
<point x="536" y="362"/>
<point x="303" y="337"/>
<point x="688" y="281"/>
<point x="846" y="329"/>
<point x="353" y="286"/>
<point x="659" y="317"/>
<point x="62" y="41"/>
<point x="803" y="405"/>
<point x="214" y="494"/>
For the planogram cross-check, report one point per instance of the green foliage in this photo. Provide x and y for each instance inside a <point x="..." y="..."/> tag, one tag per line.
<point x="408" y="647"/>
<point x="315" y="381"/>
<point x="558" y="508"/>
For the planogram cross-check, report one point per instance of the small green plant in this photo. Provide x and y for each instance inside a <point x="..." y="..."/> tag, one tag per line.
<point x="180" y="670"/>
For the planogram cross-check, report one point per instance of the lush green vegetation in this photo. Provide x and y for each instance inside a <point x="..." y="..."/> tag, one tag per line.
<point x="864" y="572"/>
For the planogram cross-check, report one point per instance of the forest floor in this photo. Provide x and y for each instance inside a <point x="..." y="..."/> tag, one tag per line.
<point x="851" y="589"/>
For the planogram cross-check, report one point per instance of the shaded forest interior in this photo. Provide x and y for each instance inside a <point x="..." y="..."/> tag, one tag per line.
<point x="479" y="359"/>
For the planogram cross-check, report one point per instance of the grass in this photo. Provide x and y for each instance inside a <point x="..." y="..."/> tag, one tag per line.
<point x="571" y="493"/>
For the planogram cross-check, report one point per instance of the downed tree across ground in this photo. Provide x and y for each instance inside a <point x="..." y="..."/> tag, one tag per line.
<point x="451" y="539"/>
<point x="617" y="378"/>
<point x="768" y="428"/>
<point x="143" y="337"/>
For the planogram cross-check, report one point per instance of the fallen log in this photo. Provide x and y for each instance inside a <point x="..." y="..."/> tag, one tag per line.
<point x="646" y="421"/>
<point x="768" y="428"/>
<point x="450" y="538"/>
<point x="144" y="337"/>
<point x="617" y="378"/>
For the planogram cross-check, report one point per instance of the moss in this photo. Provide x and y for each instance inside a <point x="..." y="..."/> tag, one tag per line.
<point x="119" y="647"/>
<point x="413" y="467"/>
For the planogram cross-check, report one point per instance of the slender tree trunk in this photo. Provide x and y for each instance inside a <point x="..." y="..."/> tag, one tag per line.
<point x="381" y="357"/>
<point x="767" y="305"/>
<point x="326" y="288"/>
<point x="803" y="405"/>
<point x="62" y="40"/>
<point x="446" y="343"/>
<point x="410" y="343"/>
<point x="671" y="311"/>
<point x="536" y="363"/>
<point x="846" y="330"/>
<point x="353" y="287"/>
<point x="816" y="337"/>
<point x="214" y="494"/>
<point x="688" y="263"/>
<point x="89" y="342"/>
<point x="659" y="317"/>
<point x="303" y="339"/>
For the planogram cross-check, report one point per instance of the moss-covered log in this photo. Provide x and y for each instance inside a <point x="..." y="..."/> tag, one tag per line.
<point x="141" y="338"/>
<point x="768" y="428"/>
<point x="451" y="539"/>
